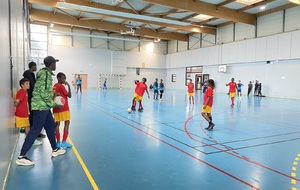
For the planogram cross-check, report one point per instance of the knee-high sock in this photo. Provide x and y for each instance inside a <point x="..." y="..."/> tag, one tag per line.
<point x="57" y="137"/>
<point x="65" y="136"/>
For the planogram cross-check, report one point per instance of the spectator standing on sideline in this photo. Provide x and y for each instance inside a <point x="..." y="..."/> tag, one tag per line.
<point x="256" y="88"/>
<point x="250" y="86"/>
<point x="161" y="89"/>
<point x="42" y="102"/>
<point x="29" y="74"/>
<point x="79" y="82"/>
<point x="239" y="89"/>
<point x="155" y="87"/>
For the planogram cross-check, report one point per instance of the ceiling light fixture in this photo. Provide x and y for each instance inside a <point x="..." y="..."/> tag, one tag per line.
<point x="157" y="40"/>
<point x="295" y="1"/>
<point x="263" y="7"/>
<point x="203" y="17"/>
<point x="92" y="36"/>
<point x="51" y="25"/>
<point x="248" y="2"/>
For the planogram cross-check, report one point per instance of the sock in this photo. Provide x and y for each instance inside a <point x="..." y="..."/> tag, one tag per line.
<point x="210" y="118"/>
<point x="140" y="105"/>
<point x="57" y="137"/>
<point x="210" y="123"/>
<point x="232" y="100"/>
<point x="65" y="136"/>
<point x="134" y="104"/>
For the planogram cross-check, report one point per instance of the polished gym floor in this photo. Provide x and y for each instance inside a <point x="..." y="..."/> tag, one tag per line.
<point x="254" y="145"/>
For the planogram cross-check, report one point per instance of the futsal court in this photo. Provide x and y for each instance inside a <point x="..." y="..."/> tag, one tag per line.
<point x="254" y="145"/>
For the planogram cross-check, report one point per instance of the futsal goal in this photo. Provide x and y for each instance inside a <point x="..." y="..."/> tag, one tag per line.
<point x="113" y="81"/>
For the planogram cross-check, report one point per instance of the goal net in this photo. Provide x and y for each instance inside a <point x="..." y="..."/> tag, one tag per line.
<point x="113" y="81"/>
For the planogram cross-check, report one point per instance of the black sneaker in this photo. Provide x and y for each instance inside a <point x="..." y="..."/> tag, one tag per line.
<point x="133" y="108"/>
<point x="140" y="109"/>
<point x="210" y="127"/>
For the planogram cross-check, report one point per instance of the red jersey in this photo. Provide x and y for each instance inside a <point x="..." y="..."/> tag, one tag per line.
<point x="232" y="86"/>
<point x="22" y="107"/>
<point x="140" y="88"/>
<point x="60" y="88"/>
<point x="191" y="88"/>
<point x="209" y="93"/>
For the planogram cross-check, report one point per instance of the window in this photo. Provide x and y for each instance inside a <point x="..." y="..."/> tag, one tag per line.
<point x="38" y="43"/>
<point x="173" y="78"/>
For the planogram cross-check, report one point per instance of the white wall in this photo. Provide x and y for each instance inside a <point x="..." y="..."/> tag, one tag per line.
<point x="10" y="77"/>
<point x="246" y="60"/>
<point x="74" y="60"/>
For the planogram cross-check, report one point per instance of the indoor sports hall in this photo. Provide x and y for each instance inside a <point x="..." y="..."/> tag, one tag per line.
<point x="167" y="145"/>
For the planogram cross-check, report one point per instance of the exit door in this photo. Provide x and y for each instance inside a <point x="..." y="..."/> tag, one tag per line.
<point x="198" y="82"/>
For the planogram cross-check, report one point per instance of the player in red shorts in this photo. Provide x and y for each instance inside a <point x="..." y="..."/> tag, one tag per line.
<point x="139" y="91"/>
<point x="232" y="89"/>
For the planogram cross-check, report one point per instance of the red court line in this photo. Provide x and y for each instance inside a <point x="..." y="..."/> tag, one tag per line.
<point x="175" y="147"/>
<point x="236" y="154"/>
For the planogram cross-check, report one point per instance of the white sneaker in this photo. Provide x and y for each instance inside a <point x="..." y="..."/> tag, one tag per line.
<point x="36" y="142"/>
<point x="24" y="161"/>
<point x="58" y="152"/>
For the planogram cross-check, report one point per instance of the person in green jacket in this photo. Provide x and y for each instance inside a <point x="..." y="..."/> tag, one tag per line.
<point x="41" y="104"/>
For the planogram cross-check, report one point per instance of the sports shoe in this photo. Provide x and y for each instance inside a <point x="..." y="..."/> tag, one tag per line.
<point x="36" y="142"/>
<point x="24" y="161"/>
<point x="58" y="144"/>
<point x="210" y="127"/>
<point x="133" y="108"/>
<point x="66" y="145"/>
<point x="58" y="152"/>
<point x="140" y="109"/>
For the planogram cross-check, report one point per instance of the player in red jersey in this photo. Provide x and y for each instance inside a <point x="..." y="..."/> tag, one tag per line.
<point x="191" y="88"/>
<point x="208" y="102"/>
<point x="62" y="114"/>
<point x="232" y="89"/>
<point x="139" y="91"/>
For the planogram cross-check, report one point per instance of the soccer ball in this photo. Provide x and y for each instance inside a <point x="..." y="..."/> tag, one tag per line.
<point x="129" y="110"/>
<point x="59" y="100"/>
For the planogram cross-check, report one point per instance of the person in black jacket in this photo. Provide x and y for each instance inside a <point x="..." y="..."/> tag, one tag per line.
<point x="29" y="74"/>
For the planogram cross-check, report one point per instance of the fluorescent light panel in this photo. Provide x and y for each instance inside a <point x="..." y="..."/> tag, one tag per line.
<point x="248" y="2"/>
<point x="203" y="17"/>
<point x="127" y="15"/>
<point x="295" y="1"/>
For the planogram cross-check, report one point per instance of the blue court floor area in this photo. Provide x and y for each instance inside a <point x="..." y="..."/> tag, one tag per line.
<point x="254" y="145"/>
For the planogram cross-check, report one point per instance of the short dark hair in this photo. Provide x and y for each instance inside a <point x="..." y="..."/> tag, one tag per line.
<point x="22" y="81"/>
<point x="212" y="83"/>
<point x="60" y="74"/>
<point x="31" y="64"/>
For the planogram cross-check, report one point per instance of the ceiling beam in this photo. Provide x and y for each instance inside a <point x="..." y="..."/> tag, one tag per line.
<point x="119" y="4"/>
<point x="146" y="8"/>
<point x="45" y="16"/>
<point x="132" y="8"/>
<point x="277" y="9"/>
<point x="208" y="9"/>
<point x="84" y="3"/>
